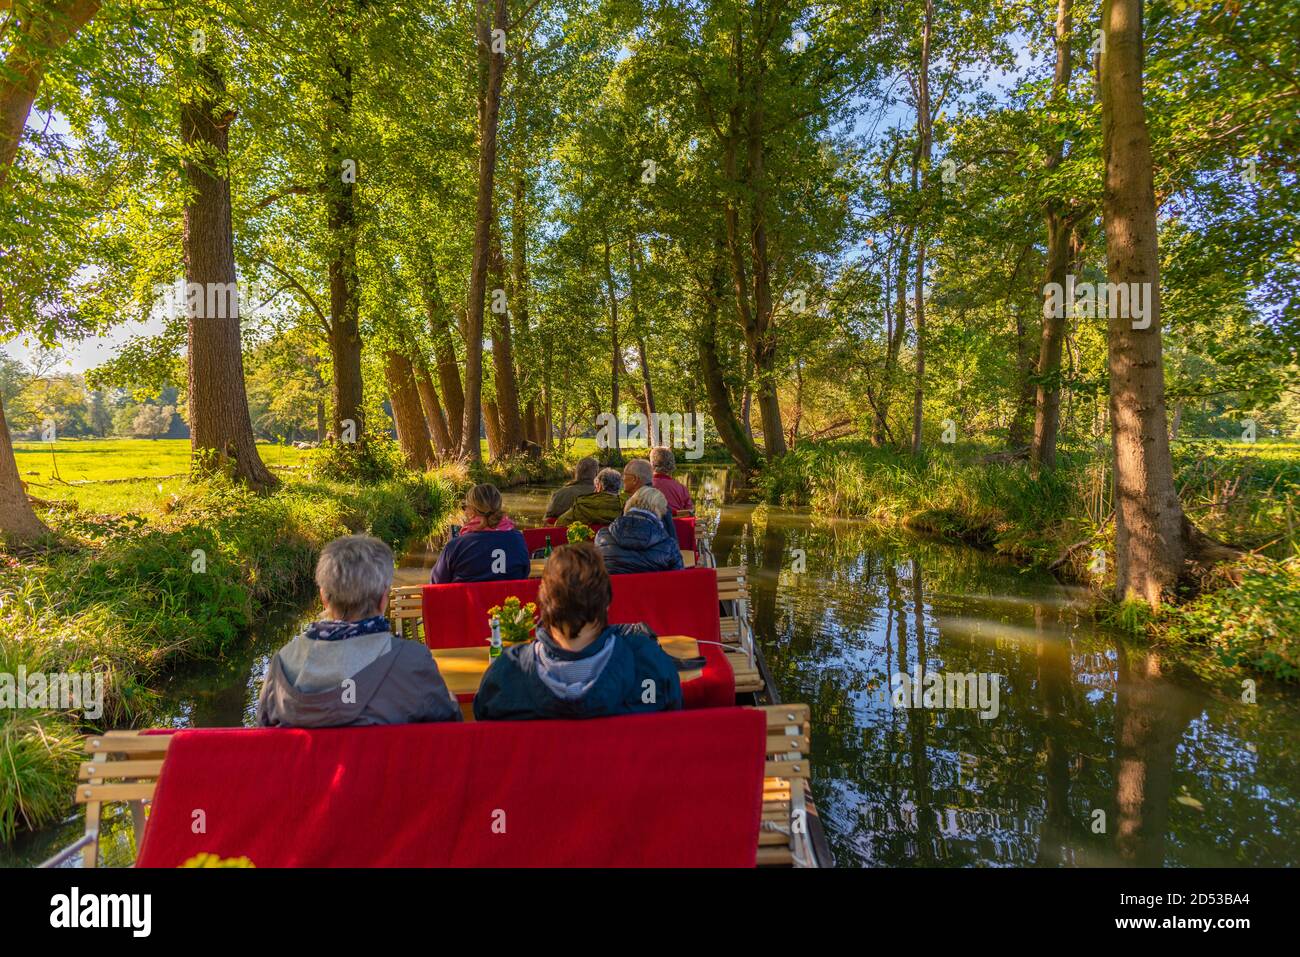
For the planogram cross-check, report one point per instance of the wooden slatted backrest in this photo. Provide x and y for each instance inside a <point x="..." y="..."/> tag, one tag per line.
<point x="783" y="840"/>
<point x="124" y="766"/>
<point x="406" y="610"/>
<point x="733" y="588"/>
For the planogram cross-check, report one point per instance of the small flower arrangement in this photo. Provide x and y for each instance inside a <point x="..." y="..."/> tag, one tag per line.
<point x="516" y="619"/>
<point x="578" y="532"/>
<point x="212" y="860"/>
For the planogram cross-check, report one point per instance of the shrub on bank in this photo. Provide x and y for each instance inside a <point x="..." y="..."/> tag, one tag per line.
<point x="1246" y="496"/>
<point x="1255" y="624"/>
<point x="125" y="598"/>
<point x="939" y="493"/>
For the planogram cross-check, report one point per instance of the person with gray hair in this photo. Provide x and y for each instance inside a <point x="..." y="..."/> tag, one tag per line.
<point x="675" y="493"/>
<point x="348" y="669"/>
<point x="637" y="474"/>
<point x="583" y="483"/>
<point x="600" y="507"/>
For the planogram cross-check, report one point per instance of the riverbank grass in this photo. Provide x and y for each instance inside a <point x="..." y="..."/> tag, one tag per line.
<point x="128" y="595"/>
<point x="1243" y="494"/>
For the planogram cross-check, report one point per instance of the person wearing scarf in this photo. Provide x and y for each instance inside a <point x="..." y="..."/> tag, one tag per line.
<point x="348" y="669"/>
<point x="579" y="665"/>
<point x="488" y="546"/>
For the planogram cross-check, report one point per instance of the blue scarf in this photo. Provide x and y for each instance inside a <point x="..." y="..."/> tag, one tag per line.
<point x="338" y="630"/>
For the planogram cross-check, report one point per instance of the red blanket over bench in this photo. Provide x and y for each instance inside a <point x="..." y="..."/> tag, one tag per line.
<point x="535" y="538"/>
<point x="665" y="790"/>
<point x="670" y="603"/>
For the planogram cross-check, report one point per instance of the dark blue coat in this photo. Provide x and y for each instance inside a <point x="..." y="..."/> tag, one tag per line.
<point x="639" y="542"/>
<point x="512" y="690"/>
<point x="468" y="557"/>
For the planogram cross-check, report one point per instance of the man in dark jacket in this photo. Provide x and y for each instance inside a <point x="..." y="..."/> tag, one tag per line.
<point x="642" y="539"/>
<point x="349" y="669"/>
<point x="579" y="666"/>
<point x="583" y="483"/>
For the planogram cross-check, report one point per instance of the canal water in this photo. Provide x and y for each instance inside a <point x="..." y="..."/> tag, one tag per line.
<point x="1081" y="748"/>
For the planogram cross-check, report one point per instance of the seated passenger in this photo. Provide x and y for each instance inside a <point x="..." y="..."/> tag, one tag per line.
<point x="489" y="547"/>
<point x="579" y="666"/>
<point x="637" y="474"/>
<point x="348" y="669"/>
<point x="643" y="539"/>
<point x="562" y="499"/>
<point x="679" y="499"/>
<point x="600" y="507"/>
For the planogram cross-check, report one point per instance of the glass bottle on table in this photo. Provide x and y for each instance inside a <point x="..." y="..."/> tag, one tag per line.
<point x="494" y="642"/>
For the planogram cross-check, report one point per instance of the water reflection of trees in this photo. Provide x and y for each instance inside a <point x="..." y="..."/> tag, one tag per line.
<point x="1086" y="723"/>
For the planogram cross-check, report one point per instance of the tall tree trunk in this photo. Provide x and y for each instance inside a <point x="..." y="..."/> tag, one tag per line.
<point x="433" y="410"/>
<point x="1047" y="410"/>
<point x="404" y="397"/>
<point x="616" y="357"/>
<point x="1151" y="532"/>
<point x="444" y="352"/>
<point x="491" y="16"/>
<point x="730" y="429"/>
<point x="633" y="267"/>
<point x="897" y="333"/>
<point x="762" y="339"/>
<point x="38" y="35"/>
<point x="36" y="39"/>
<point x="221" y="431"/>
<point x="1019" y="431"/>
<point x="520" y="315"/>
<point x="503" y="360"/>
<point x="548" y="426"/>
<point x="345" y="327"/>
<point x="926" y="153"/>
<point x="754" y="306"/>
<point x="1047" y="406"/>
<point x="492" y="429"/>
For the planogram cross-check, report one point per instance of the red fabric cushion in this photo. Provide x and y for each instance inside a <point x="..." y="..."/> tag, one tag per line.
<point x="670" y="603"/>
<point x="679" y="789"/>
<point x="681" y="603"/>
<point x="535" y="538"/>
<point x="455" y="616"/>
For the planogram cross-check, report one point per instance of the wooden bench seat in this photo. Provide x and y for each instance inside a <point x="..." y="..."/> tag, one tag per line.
<point x="123" y="766"/>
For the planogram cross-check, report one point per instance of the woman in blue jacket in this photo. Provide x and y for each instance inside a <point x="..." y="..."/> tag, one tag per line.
<point x="489" y="547"/>
<point x="579" y="666"/>
<point x="643" y="538"/>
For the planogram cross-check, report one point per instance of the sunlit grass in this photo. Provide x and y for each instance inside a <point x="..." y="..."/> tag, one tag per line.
<point x="120" y="595"/>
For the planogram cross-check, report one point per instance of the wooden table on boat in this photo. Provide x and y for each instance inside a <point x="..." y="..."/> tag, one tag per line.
<point x="463" y="668"/>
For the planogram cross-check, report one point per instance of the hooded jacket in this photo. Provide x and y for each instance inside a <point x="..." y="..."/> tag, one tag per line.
<point x="598" y="508"/>
<point x="639" y="541"/>
<point x="366" y="680"/>
<point x="624" y="671"/>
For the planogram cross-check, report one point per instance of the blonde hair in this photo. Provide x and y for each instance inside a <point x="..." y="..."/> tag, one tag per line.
<point x="649" y="498"/>
<point x="485" y="500"/>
